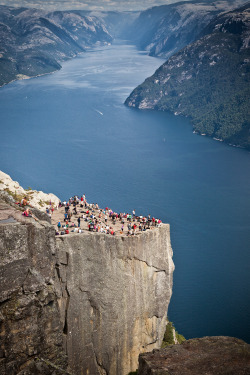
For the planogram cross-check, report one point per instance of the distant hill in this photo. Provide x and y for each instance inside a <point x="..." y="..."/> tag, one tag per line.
<point x="33" y="42"/>
<point x="164" y="30"/>
<point x="208" y="81"/>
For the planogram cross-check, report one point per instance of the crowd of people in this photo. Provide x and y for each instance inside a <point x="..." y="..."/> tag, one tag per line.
<point x="77" y="215"/>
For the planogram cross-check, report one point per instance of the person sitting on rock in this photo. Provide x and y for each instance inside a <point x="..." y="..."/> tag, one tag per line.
<point x="27" y="213"/>
<point x="24" y="202"/>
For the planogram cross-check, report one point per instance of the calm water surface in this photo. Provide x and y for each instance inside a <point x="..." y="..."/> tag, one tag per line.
<point x="69" y="133"/>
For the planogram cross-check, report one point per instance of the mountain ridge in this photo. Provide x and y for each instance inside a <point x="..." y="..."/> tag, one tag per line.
<point x="164" y="30"/>
<point x="207" y="81"/>
<point x="35" y="42"/>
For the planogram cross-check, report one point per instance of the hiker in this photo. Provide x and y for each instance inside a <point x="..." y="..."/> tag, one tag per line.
<point x="24" y="202"/>
<point x="27" y="213"/>
<point x="79" y="221"/>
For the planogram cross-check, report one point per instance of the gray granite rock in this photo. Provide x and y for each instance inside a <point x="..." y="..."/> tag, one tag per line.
<point x="31" y="338"/>
<point x="116" y="296"/>
<point x="97" y="299"/>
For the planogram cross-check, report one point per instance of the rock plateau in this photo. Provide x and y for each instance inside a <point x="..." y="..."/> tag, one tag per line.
<point x="86" y="303"/>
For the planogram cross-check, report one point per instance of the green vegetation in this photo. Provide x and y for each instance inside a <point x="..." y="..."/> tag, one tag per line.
<point x="41" y="203"/>
<point x="180" y="338"/>
<point x="209" y="82"/>
<point x="168" y="338"/>
<point x="17" y="197"/>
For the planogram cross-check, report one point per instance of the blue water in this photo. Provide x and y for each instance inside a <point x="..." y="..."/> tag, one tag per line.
<point x="69" y="133"/>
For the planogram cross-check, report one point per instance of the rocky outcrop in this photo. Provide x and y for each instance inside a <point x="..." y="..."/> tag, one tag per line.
<point x="31" y="338"/>
<point x="115" y="298"/>
<point x="37" y="199"/>
<point x="207" y="355"/>
<point x="99" y="300"/>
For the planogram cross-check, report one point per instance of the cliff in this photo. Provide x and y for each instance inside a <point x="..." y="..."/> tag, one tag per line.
<point x="98" y="300"/>
<point x="30" y="328"/>
<point x="115" y="298"/>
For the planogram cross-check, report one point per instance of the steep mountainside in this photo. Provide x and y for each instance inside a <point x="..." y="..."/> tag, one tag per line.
<point x="165" y="29"/>
<point x="207" y="81"/>
<point x="33" y="42"/>
<point x="117" y="23"/>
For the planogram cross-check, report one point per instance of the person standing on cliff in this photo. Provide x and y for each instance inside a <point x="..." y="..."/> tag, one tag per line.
<point x="79" y="221"/>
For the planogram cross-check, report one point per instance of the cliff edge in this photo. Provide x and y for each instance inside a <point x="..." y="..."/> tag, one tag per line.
<point x="84" y="303"/>
<point x="116" y="292"/>
<point x="218" y="355"/>
<point x="31" y="337"/>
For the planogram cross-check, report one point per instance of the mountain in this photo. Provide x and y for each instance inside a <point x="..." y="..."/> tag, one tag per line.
<point x="34" y="42"/>
<point x="164" y="30"/>
<point x="208" y="81"/>
<point x="118" y="23"/>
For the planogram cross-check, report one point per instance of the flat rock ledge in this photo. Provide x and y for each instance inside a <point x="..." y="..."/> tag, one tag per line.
<point x="83" y="304"/>
<point x="218" y="355"/>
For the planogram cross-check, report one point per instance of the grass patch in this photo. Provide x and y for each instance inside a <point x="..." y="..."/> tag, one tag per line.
<point x="168" y="338"/>
<point x="41" y="203"/>
<point x="17" y="197"/>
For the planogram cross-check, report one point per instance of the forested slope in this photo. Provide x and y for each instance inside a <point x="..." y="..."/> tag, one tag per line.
<point x="208" y="81"/>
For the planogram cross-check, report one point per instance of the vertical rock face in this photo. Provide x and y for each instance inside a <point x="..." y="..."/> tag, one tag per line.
<point x="31" y="339"/>
<point x="115" y="295"/>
